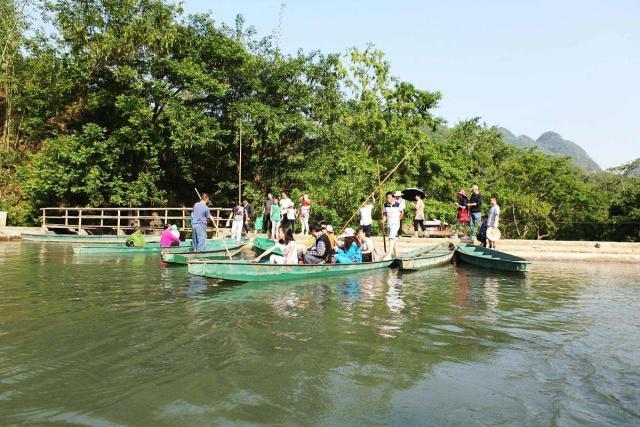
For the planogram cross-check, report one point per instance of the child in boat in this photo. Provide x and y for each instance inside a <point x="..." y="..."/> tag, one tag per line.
<point x="482" y="235"/>
<point x="287" y="245"/>
<point x="349" y="253"/>
<point x="135" y="239"/>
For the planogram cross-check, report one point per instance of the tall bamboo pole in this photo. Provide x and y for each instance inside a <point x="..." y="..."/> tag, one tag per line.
<point x="382" y="227"/>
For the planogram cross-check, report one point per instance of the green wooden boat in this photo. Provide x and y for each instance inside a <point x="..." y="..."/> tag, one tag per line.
<point x="246" y="271"/>
<point x="50" y="237"/>
<point x="212" y="244"/>
<point x="178" y="257"/>
<point x="495" y="260"/>
<point x="261" y="244"/>
<point x="426" y="257"/>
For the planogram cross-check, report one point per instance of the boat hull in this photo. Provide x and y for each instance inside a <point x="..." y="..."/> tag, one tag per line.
<point x="243" y="271"/>
<point x="493" y="260"/>
<point x="150" y="248"/>
<point x="182" y="258"/>
<point x="76" y="238"/>
<point x="427" y="261"/>
<point x="261" y="244"/>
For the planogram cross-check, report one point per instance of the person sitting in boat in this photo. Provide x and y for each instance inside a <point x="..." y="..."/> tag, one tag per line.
<point x="332" y="238"/>
<point x="349" y="253"/>
<point x="135" y="239"/>
<point x="287" y="245"/>
<point x="168" y="239"/>
<point x="367" y="247"/>
<point x="320" y="251"/>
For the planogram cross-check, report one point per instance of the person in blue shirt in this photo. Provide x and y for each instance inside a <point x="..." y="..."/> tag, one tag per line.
<point x="199" y="219"/>
<point x="350" y="252"/>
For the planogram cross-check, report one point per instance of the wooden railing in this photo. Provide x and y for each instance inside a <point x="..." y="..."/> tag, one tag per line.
<point x="105" y="220"/>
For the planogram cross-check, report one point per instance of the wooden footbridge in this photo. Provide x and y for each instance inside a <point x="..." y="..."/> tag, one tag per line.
<point x="85" y="221"/>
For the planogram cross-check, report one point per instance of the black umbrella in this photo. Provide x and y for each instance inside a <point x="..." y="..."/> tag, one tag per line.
<point x="411" y="193"/>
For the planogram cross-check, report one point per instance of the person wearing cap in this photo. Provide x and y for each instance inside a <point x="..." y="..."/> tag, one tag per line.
<point x="174" y="231"/>
<point x="492" y="222"/>
<point x="332" y="237"/>
<point x="320" y="251"/>
<point x="403" y="207"/>
<point x="349" y="253"/>
<point x="462" y="217"/>
<point x="391" y="216"/>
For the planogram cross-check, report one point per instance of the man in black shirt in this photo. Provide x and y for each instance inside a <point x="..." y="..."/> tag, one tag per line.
<point x="475" y="208"/>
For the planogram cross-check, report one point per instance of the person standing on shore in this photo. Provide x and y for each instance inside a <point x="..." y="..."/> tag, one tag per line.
<point x="366" y="217"/>
<point x="199" y="219"/>
<point x="493" y="222"/>
<point x="305" y="214"/>
<point x="462" y="216"/>
<point x="276" y="217"/>
<point x="403" y="207"/>
<point x="238" y="216"/>
<point x="248" y="215"/>
<point x="266" y="216"/>
<point x="288" y="211"/>
<point x="475" y="209"/>
<point x="418" y="219"/>
<point x="392" y="215"/>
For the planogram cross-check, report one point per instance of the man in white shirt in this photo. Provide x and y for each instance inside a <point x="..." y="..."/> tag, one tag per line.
<point x="288" y="212"/>
<point x="403" y="207"/>
<point x="392" y="216"/>
<point x="366" y="218"/>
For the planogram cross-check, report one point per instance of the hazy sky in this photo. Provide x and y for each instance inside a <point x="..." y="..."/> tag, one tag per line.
<point x="568" y="66"/>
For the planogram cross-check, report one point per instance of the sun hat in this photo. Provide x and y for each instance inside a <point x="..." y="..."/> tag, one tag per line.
<point x="462" y="193"/>
<point x="493" y="234"/>
<point x="174" y="227"/>
<point x="329" y="229"/>
<point x="397" y="194"/>
<point x="348" y="232"/>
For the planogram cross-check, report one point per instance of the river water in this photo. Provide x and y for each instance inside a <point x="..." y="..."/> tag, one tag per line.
<point x="106" y="341"/>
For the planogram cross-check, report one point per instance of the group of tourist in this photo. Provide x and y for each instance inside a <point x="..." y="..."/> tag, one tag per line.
<point x="469" y="212"/>
<point x="283" y="212"/>
<point x="352" y="246"/>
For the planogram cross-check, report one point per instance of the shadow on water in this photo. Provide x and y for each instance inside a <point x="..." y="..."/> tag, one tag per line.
<point x="97" y="341"/>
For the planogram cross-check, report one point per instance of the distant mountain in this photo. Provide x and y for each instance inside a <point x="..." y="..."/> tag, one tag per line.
<point x="552" y="143"/>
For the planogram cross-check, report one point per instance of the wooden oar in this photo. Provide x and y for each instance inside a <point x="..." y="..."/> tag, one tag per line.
<point x="384" y="236"/>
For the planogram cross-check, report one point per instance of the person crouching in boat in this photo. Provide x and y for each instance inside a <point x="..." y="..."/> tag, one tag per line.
<point x="349" y="253"/>
<point x="135" y="239"/>
<point x="168" y="239"/>
<point x="287" y="245"/>
<point x="320" y="251"/>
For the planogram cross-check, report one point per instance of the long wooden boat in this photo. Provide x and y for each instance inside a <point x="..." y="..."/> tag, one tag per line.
<point x="426" y="257"/>
<point x="261" y="244"/>
<point x="246" y="271"/>
<point x="179" y="257"/>
<point x="495" y="260"/>
<point x="212" y="244"/>
<point x="77" y="238"/>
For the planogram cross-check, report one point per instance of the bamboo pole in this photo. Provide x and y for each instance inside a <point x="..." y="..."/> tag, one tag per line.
<point x="384" y="236"/>
<point x="395" y="168"/>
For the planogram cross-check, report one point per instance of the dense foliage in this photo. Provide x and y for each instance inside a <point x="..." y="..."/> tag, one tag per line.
<point x="135" y="104"/>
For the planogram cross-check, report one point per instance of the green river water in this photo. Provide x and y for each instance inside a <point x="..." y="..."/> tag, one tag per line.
<point x="105" y="341"/>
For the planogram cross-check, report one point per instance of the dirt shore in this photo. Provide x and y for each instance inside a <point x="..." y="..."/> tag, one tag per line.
<point x="547" y="250"/>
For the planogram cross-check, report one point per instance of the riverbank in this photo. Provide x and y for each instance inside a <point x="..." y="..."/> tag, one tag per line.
<point x="534" y="250"/>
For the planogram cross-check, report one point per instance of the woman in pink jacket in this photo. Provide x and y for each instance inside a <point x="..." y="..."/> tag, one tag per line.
<point x="168" y="239"/>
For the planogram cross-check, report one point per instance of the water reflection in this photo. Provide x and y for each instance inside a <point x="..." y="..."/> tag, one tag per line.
<point x="137" y="344"/>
